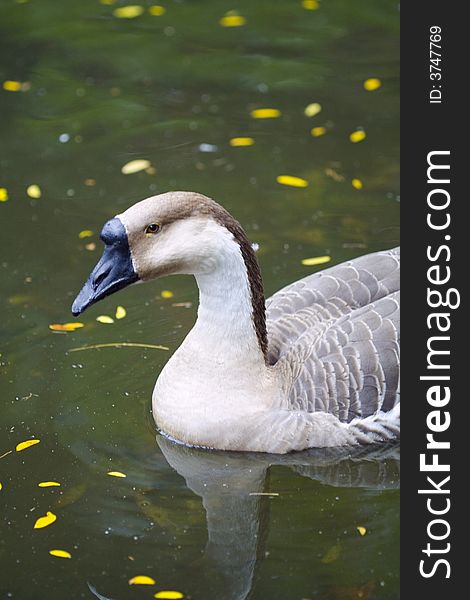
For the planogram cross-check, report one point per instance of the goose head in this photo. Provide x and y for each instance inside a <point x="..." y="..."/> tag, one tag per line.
<point x="172" y="233"/>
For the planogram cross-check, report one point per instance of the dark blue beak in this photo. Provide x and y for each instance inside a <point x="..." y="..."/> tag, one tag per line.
<point x="114" y="270"/>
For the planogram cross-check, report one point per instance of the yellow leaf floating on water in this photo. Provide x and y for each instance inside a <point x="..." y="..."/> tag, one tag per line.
<point x="265" y="113"/>
<point x="45" y="521"/>
<point x="85" y="233"/>
<point x="134" y="166"/>
<point x="46" y="484"/>
<point x="310" y="4"/>
<point x="34" y="191"/>
<point x="27" y="444"/>
<point x="128" y="12"/>
<point x="312" y="109"/>
<point x="65" y="326"/>
<point x="318" y="131"/>
<point x="141" y="580"/>
<point x="120" y="312"/>
<point x="232" y="20"/>
<point x="12" y="86"/>
<point x="357" y="136"/>
<point x="166" y="294"/>
<point x="60" y="553"/>
<point x="169" y="595"/>
<point x="292" y="181"/>
<point x="372" y="84"/>
<point x="242" y="141"/>
<point x="362" y="530"/>
<point x="317" y="260"/>
<point x="3" y="194"/>
<point x="156" y="10"/>
<point x="90" y="247"/>
<point x="1" y="486"/>
<point x="357" y="184"/>
<point x="116" y="474"/>
<point x="105" y="319"/>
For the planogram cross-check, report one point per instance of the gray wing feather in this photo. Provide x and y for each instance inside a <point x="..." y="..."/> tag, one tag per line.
<point x="335" y="337"/>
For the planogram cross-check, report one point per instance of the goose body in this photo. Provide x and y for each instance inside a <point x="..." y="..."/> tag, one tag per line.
<point x="317" y="365"/>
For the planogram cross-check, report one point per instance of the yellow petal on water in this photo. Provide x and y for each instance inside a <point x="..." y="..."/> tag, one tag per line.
<point x="85" y="233"/>
<point x="156" y="10"/>
<point x="292" y="181"/>
<point x="90" y="182"/>
<point x="3" y="194"/>
<point x="105" y="319"/>
<point x="362" y="530"/>
<point x="34" y="191"/>
<point x="141" y="580"/>
<point x="60" y="553"/>
<point x="318" y="131"/>
<point x="1" y="486"/>
<point x="357" y="184"/>
<point x="66" y="326"/>
<point x="45" y="521"/>
<point x="372" y="84"/>
<point x="169" y="595"/>
<point x="316" y="260"/>
<point x="357" y="136"/>
<point x="91" y="246"/>
<point x="116" y="474"/>
<point x="12" y="86"/>
<point x="134" y="166"/>
<point x="312" y="109"/>
<point x="310" y="4"/>
<point x="45" y="484"/>
<point x="265" y="113"/>
<point x="232" y="21"/>
<point x="166" y="294"/>
<point x="128" y="12"/>
<point x="241" y="141"/>
<point x="120" y="312"/>
<point x="27" y="444"/>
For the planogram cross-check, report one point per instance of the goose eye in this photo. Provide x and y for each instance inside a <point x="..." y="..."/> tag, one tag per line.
<point x="152" y="228"/>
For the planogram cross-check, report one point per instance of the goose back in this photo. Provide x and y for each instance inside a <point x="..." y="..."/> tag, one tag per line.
<point x="334" y="338"/>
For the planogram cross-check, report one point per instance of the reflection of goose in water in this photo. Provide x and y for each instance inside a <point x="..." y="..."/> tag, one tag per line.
<point x="231" y="484"/>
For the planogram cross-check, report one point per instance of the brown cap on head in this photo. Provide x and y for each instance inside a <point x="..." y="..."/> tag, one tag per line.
<point x="173" y="206"/>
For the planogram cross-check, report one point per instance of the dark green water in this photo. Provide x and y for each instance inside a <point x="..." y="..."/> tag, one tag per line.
<point x="102" y="92"/>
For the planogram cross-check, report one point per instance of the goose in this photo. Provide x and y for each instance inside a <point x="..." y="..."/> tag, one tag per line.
<point x="315" y="366"/>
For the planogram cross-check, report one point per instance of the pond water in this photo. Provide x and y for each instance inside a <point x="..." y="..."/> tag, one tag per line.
<point x="98" y="91"/>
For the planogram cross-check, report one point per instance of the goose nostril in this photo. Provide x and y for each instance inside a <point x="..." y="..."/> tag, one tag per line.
<point x="99" y="279"/>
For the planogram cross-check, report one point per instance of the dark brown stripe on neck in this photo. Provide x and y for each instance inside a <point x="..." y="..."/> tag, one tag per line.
<point x="253" y="273"/>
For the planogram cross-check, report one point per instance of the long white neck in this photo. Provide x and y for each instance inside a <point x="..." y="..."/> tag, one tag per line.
<point x="225" y="329"/>
<point x="219" y="371"/>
